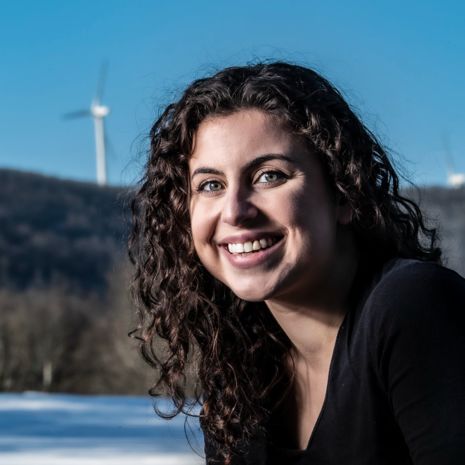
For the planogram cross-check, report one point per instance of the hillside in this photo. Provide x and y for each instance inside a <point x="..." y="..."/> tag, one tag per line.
<point x="64" y="305"/>
<point x="58" y="232"/>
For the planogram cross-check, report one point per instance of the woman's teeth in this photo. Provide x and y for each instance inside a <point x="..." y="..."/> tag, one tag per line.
<point x="251" y="246"/>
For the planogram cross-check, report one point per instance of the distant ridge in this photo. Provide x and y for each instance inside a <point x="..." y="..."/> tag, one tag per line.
<point x="71" y="233"/>
<point x="59" y="231"/>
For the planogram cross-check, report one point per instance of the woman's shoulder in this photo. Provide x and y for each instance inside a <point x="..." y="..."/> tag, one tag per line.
<point x="407" y="291"/>
<point x="412" y="265"/>
<point x="412" y="317"/>
<point x="413" y="338"/>
<point x="408" y="280"/>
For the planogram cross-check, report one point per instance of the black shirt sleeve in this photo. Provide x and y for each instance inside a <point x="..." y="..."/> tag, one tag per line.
<point x="419" y="350"/>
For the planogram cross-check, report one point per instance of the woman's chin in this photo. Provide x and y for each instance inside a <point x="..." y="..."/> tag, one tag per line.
<point x="252" y="295"/>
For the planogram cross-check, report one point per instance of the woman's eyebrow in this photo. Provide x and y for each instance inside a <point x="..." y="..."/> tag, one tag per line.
<point x="267" y="157"/>
<point x="251" y="164"/>
<point x="205" y="170"/>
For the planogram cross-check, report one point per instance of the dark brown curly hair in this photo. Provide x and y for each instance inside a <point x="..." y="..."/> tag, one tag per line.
<point x="236" y="349"/>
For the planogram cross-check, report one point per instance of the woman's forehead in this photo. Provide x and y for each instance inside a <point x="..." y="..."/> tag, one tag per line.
<point x="247" y="129"/>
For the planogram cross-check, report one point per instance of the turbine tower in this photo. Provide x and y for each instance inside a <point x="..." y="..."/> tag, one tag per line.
<point x="98" y="112"/>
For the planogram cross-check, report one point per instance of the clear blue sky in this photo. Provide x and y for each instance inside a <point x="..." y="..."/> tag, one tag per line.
<point x="401" y="64"/>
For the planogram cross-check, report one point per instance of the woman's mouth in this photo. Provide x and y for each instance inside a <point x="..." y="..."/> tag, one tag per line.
<point x="252" y="252"/>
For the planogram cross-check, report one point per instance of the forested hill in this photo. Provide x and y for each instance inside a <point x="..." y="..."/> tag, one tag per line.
<point x="57" y="232"/>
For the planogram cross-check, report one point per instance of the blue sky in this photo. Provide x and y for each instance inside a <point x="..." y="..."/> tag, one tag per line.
<point x="400" y="64"/>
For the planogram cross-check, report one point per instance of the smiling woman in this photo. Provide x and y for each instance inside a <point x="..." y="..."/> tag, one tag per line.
<point x="276" y="256"/>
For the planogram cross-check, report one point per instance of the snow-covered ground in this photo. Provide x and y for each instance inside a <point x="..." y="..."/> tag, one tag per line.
<point x="60" y="429"/>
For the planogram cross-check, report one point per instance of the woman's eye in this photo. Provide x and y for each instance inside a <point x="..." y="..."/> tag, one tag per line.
<point x="210" y="186"/>
<point x="270" y="177"/>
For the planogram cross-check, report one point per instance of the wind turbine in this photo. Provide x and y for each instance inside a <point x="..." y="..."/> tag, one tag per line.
<point x="454" y="179"/>
<point x="98" y="112"/>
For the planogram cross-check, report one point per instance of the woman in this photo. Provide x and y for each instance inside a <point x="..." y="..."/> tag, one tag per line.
<point x="275" y="255"/>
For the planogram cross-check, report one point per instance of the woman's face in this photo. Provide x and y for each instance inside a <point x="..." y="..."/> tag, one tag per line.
<point x="263" y="219"/>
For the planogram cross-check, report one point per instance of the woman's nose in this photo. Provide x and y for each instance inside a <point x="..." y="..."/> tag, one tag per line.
<point x="238" y="208"/>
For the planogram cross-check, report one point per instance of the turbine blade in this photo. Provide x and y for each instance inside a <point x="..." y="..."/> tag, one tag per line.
<point x="101" y="82"/>
<point x="77" y="114"/>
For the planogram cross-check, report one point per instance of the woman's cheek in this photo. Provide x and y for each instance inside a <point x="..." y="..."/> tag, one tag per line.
<point x="201" y="224"/>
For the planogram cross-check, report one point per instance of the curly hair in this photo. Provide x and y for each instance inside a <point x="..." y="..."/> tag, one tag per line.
<point x="237" y="349"/>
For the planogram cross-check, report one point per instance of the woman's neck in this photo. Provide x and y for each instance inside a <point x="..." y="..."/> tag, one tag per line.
<point x="312" y="332"/>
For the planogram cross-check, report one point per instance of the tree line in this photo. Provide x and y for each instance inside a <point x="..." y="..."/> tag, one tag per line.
<point x="54" y="340"/>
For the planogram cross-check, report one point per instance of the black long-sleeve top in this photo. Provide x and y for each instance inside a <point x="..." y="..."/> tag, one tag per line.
<point x="396" y="385"/>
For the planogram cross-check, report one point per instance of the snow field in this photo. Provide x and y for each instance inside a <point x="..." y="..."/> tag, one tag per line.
<point x="60" y="429"/>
